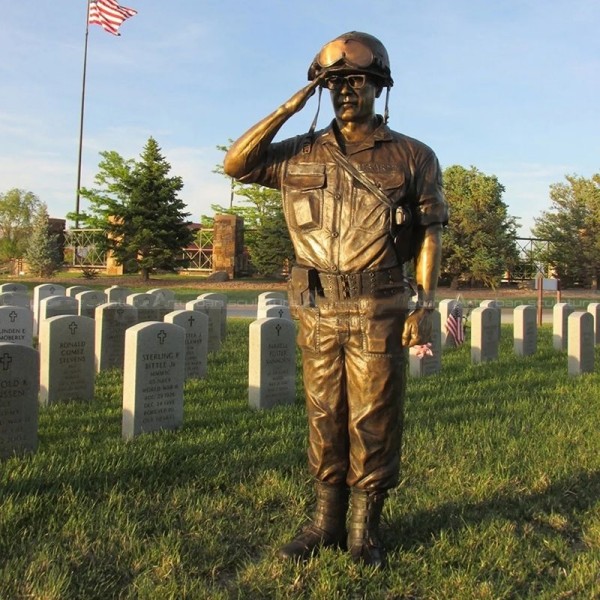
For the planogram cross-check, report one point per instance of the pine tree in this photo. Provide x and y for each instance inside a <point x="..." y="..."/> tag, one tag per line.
<point x="42" y="253"/>
<point x="137" y="205"/>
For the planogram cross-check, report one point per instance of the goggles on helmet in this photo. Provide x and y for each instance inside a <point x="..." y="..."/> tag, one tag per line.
<point x="351" y="52"/>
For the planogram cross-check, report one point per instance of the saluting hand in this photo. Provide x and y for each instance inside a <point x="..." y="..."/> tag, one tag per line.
<point x="297" y="102"/>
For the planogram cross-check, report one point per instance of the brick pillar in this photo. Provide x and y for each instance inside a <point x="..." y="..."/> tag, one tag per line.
<point x="112" y="266"/>
<point x="228" y="244"/>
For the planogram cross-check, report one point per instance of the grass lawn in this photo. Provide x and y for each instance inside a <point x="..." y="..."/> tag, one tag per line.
<point x="499" y="498"/>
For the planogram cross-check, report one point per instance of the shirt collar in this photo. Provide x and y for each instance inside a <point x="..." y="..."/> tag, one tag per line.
<point x="382" y="134"/>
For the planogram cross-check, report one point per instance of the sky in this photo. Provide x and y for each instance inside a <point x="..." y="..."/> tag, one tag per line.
<point x="511" y="87"/>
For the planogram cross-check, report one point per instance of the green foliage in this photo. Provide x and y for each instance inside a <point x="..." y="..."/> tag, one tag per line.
<point x="137" y="205"/>
<point x="17" y="211"/>
<point x="42" y="254"/>
<point x="572" y="225"/>
<point x="499" y="497"/>
<point x="479" y="243"/>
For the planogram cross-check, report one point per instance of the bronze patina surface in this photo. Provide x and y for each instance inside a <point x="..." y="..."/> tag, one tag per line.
<point x="360" y="200"/>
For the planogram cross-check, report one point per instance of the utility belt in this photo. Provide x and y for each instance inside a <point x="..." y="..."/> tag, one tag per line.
<point x="307" y="285"/>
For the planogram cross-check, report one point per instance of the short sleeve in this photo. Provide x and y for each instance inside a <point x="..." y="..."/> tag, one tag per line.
<point x="431" y="201"/>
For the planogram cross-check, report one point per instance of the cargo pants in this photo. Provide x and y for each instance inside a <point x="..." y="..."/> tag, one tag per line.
<point x="354" y="371"/>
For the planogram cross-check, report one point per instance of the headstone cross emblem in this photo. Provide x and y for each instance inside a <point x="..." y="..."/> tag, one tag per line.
<point x="191" y="320"/>
<point x="13" y="316"/>
<point x="278" y="328"/>
<point x="5" y="360"/>
<point x="280" y="315"/>
<point x="73" y="327"/>
<point x="162" y="336"/>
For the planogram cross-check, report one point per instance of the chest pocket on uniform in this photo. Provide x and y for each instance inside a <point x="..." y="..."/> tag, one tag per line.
<point x="369" y="213"/>
<point x="303" y="196"/>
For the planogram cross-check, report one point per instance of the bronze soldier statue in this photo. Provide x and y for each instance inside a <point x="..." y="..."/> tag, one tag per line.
<point x="359" y="200"/>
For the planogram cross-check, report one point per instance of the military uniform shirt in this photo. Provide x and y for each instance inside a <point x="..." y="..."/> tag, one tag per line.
<point x="335" y="223"/>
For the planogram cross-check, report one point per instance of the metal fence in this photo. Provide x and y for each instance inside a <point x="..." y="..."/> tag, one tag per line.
<point x="532" y="252"/>
<point x="84" y="249"/>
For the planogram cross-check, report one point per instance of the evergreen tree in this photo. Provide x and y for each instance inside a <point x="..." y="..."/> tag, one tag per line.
<point x="42" y="253"/>
<point x="137" y="205"/>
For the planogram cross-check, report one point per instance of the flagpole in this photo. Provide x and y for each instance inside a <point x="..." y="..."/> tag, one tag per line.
<point x="87" y="27"/>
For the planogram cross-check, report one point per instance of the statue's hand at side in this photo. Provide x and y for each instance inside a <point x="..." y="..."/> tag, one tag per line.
<point x="418" y="328"/>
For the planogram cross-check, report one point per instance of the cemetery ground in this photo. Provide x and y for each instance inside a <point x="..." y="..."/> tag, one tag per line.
<point x="499" y="495"/>
<point x="499" y="498"/>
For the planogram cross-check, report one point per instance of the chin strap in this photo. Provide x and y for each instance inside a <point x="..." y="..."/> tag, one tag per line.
<point x="386" y="112"/>
<point x="314" y="123"/>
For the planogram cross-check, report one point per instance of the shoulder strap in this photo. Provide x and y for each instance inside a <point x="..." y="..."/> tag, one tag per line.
<point x="341" y="160"/>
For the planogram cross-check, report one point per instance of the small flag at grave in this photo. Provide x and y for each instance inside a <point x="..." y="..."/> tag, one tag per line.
<point x="454" y="325"/>
<point x="109" y="15"/>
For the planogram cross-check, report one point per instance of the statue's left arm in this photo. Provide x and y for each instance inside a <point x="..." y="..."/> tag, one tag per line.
<point x="428" y="257"/>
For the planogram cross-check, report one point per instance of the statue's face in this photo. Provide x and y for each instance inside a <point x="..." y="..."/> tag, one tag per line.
<point x="352" y="103"/>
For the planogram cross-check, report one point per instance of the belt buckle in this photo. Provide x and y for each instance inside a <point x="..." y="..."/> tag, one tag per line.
<point x="344" y="286"/>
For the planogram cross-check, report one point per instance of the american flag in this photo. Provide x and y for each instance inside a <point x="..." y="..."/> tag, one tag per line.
<point x="454" y="325"/>
<point x="109" y="15"/>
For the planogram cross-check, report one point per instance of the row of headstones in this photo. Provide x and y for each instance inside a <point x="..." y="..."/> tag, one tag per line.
<point x="578" y="332"/>
<point x="51" y="300"/>
<point x="157" y="358"/>
<point x="272" y="365"/>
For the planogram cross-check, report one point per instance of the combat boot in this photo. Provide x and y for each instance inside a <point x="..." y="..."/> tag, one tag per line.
<point x="364" y="543"/>
<point x="327" y="527"/>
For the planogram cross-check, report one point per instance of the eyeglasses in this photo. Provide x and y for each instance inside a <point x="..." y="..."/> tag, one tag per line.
<point x="336" y="82"/>
<point x="352" y="52"/>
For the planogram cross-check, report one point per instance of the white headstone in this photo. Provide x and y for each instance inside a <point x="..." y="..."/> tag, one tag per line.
<point x="39" y="293"/>
<point x="66" y="359"/>
<point x="153" y="378"/>
<point x="498" y="308"/>
<point x="19" y="387"/>
<point x="15" y="299"/>
<point x="580" y="344"/>
<point x="195" y="325"/>
<point x="428" y="365"/>
<point x="560" y="316"/>
<point x="484" y="335"/>
<point x="525" y="330"/>
<point x="116" y="293"/>
<point x="89" y="301"/>
<point x="214" y="311"/>
<point x="445" y="307"/>
<point x="73" y="290"/>
<point x="273" y="301"/>
<point x="268" y="295"/>
<point x="112" y="321"/>
<point x="55" y="306"/>
<point x="13" y="287"/>
<point x="147" y="311"/>
<point x="274" y="310"/>
<point x="164" y="301"/>
<point x="594" y="309"/>
<point x="219" y="298"/>
<point x="16" y="325"/>
<point x="272" y="363"/>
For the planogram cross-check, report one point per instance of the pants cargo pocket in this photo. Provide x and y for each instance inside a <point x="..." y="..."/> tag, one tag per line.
<point x="308" y="331"/>
<point x="382" y="322"/>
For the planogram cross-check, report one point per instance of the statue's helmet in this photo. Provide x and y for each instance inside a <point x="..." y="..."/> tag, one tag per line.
<point x="354" y="52"/>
